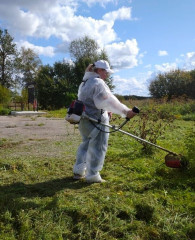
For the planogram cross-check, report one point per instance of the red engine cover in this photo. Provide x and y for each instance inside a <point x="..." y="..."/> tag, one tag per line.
<point x="173" y="161"/>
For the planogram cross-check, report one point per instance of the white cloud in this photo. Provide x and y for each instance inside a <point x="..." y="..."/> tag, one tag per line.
<point x="166" y="67"/>
<point x="45" y="51"/>
<point x="43" y="19"/>
<point x="131" y="86"/>
<point x="123" y="54"/>
<point x="121" y="14"/>
<point x="190" y="60"/>
<point x="162" y="53"/>
<point x="58" y="19"/>
<point x="100" y="2"/>
<point x="148" y="66"/>
<point x="185" y="62"/>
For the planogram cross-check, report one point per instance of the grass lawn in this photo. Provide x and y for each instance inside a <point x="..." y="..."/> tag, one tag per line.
<point x="141" y="198"/>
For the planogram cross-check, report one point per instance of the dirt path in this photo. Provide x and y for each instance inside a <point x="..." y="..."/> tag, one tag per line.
<point x="34" y="127"/>
<point x="39" y="136"/>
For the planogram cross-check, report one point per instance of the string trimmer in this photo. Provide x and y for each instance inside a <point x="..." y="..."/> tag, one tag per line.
<point x="172" y="159"/>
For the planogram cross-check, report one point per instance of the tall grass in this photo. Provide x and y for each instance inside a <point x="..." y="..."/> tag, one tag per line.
<point x="181" y="108"/>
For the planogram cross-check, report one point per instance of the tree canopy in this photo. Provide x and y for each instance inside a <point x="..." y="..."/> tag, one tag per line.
<point x="29" y="66"/>
<point x="56" y="85"/>
<point x="8" y="55"/>
<point x="85" y="51"/>
<point x="84" y="48"/>
<point x="173" y="84"/>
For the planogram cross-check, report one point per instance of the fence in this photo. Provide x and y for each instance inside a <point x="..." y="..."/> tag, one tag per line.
<point x="16" y="106"/>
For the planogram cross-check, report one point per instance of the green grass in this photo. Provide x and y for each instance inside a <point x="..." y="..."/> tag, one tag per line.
<point x="142" y="199"/>
<point x="57" y="113"/>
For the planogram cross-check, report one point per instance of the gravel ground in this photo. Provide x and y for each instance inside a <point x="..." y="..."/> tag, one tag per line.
<point x="34" y="127"/>
<point x="39" y="136"/>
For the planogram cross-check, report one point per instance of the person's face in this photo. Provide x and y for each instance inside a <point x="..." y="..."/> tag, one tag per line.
<point x="103" y="73"/>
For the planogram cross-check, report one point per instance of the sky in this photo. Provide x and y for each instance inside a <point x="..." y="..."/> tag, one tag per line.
<point x="141" y="37"/>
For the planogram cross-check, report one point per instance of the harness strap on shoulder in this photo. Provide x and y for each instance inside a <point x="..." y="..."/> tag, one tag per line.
<point x="84" y="82"/>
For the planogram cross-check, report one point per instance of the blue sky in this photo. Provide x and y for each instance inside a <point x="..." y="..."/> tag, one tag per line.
<point x="141" y="37"/>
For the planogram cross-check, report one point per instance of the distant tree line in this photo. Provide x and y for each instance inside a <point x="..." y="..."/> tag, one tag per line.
<point x="173" y="84"/>
<point x="56" y="86"/>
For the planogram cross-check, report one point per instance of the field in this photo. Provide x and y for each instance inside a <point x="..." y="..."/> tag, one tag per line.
<point x="142" y="199"/>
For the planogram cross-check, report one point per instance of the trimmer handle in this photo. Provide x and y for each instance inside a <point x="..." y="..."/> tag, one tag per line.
<point x="135" y="110"/>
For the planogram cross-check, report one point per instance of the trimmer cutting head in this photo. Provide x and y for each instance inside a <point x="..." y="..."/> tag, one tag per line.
<point x="175" y="161"/>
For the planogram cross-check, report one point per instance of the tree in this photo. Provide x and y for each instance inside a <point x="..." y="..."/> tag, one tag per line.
<point x="191" y="84"/>
<point x="29" y="66"/>
<point x="8" y="55"/>
<point x="64" y="75"/>
<point x="173" y="84"/>
<point x="5" y="95"/>
<point x="84" y="48"/>
<point x="45" y="87"/>
<point x="56" y="85"/>
<point x="158" y="87"/>
<point x="85" y="51"/>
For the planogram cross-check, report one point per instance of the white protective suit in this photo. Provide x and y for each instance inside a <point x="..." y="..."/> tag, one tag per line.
<point x="98" y="100"/>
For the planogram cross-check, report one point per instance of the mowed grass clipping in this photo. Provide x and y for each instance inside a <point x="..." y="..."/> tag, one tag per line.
<point x="141" y="198"/>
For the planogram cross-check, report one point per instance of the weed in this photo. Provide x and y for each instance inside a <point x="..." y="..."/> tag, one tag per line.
<point x="28" y="125"/>
<point x="11" y="126"/>
<point x="152" y="123"/>
<point x="3" y="142"/>
<point x="41" y="124"/>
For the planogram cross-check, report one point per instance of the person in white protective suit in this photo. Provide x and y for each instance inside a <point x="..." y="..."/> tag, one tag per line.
<point x="99" y="103"/>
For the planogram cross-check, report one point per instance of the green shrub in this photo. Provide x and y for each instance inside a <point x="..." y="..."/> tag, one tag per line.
<point x="189" y="117"/>
<point x="4" y="111"/>
<point x="5" y="95"/>
<point x="152" y="123"/>
<point x="69" y="98"/>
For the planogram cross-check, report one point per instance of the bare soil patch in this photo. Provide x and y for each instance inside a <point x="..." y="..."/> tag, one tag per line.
<point x="12" y="127"/>
<point x="39" y="136"/>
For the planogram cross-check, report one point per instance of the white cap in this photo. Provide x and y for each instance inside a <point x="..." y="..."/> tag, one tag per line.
<point x="104" y="65"/>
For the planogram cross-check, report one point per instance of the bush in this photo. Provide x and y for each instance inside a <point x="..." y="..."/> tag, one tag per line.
<point x="152" y="123"/>
<point x="5" y="95"/>
<point x="4" y="111"/>
<point x="189" y="117"/>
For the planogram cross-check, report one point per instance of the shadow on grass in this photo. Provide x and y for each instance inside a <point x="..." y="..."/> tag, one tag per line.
<point x="42" y="189"/>
<point x="18" y="198"/>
